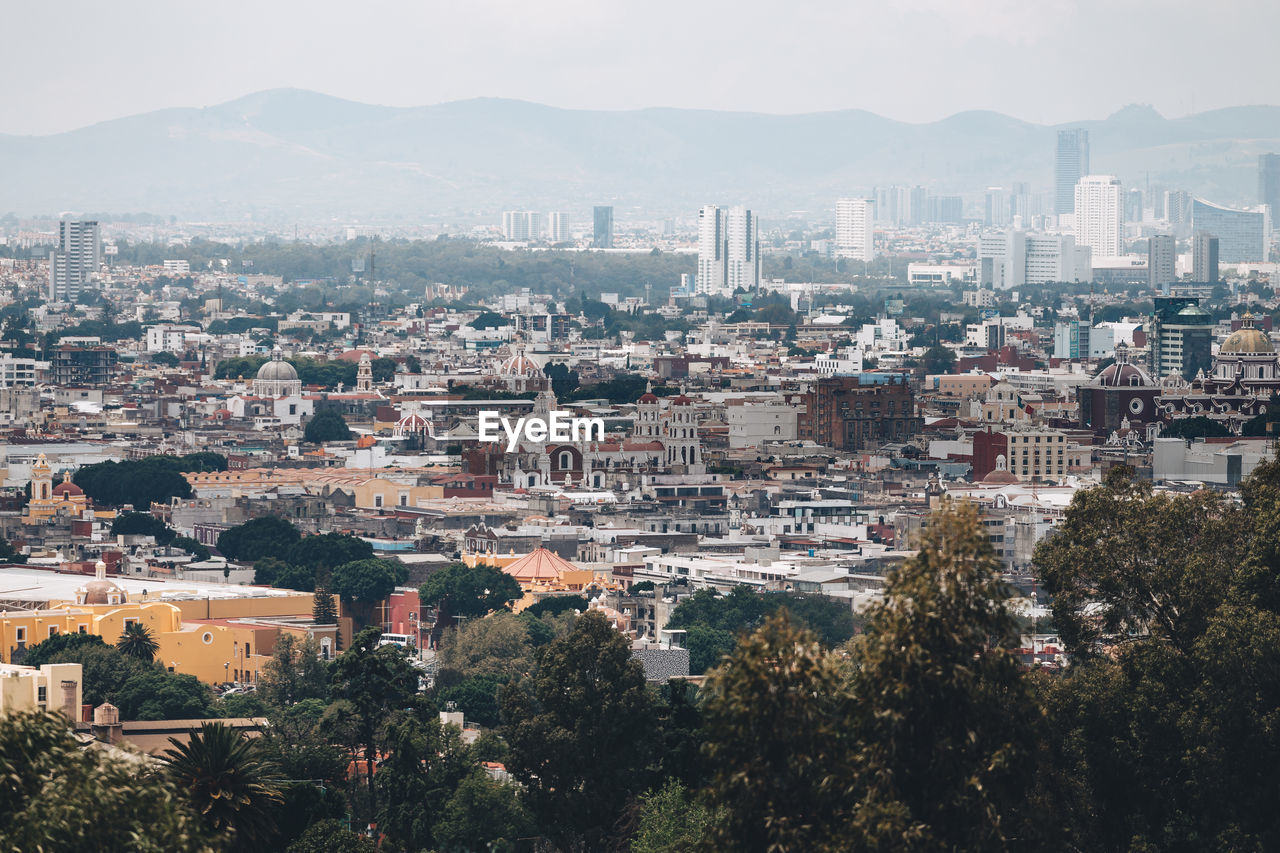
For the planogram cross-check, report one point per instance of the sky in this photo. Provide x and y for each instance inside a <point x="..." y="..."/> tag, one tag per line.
<point x="77" y="62"/>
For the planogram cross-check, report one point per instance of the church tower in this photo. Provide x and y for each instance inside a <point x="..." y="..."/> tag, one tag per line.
<point x="364" y="373"/>
<point x="648" y="423"/>
<point x="684" y="447"/>
<point x="41" y="479"/>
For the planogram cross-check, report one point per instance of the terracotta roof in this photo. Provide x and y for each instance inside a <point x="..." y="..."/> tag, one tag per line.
<point x="539" y="564"/>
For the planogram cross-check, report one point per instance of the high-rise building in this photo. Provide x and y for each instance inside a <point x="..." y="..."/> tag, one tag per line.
<point x="996" y="211"/>
<point x="1133" y="205"/>
<point x="1162" y="259"/>
<point x="1177" y="207"/>
<point x="1204" y="257"/>
<point x="1243" y="234"/>
<point x="75" y="259"/>
<point x="1010" y="259"/>
<point x="918" y="198"/>
<point x="855" y="221"/>
<point x="711" y="260"/>
<point x="557" y="227"/>
<point x="1099" y="215"/>
<point x="742" y="250"/>
<point x="1269" y="182"/>
<point x="602" y="236"/>
<point x="1180" y="336"/>
<point x="522" y="224"/>
<point x="1071" y="165"/>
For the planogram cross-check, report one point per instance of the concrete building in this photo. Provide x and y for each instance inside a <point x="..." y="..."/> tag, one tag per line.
<point x="557" y="226"/>
<point x="1269" y="181"/>
<point x="1099" y="215"/>
<point x="1204" y="257"/>
<point x="76" y="258"/>
<point x="855" y="222"/>
<point x="1162" y="260"/>
<point x="1180" y="337"/>
<point x="1007" y="260"/>
<point x="1071" y="164"/>
<point x="1244" y="234"/>
<point x="728" y="250"/>
<point x="52" y="687"/>
<point x="857" y="412"/>
<point x="602" y="230"/>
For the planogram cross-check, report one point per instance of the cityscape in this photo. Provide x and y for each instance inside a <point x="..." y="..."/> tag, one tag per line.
<point x="397" y="461"/>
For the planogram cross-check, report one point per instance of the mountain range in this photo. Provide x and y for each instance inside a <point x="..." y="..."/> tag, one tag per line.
<point x="289" y="155"/>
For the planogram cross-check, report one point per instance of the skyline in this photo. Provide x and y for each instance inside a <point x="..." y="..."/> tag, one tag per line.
<point x="576" y="55"/>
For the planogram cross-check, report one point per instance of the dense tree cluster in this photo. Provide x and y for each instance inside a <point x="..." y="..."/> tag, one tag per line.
<point x="142" y="482"/>
<point x="327" y="425"/>
<point x="284" y="558"/>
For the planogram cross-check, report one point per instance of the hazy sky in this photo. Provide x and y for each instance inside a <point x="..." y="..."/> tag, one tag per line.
<point x="76" y="62"/>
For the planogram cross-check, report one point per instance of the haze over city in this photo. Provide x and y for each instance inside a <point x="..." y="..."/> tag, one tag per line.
<point x="649" y="428"/>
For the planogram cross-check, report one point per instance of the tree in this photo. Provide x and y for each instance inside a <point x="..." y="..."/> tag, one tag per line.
<point x="326" y="425"/>
<point x="373" y="680"/>
<point x="365" y="583"/>
<point x="938" y="359"/>
<point x="232" y="786"/>
<point x="294" y="673"/>
<point x="457" y="591"/>
<point x="556" y="604"/>
<point x="268" y="536"/>
<point x="44" y="651"/>
<point x="331" y="836"/>
<point x="327" y="550"/>
<point x="323" y="609"/>
<point x="138" y="483"/>
<point x="936" y="657"/>
<point x="482" y="814"/>
<point x="576" y="731"/>
<point x="204" y="460"/>
<point x="1195" y="427"/>
<point x="142" y="524"/>
<point x="55" y="795"/>
<point x="778" y="745"/>
<point x="425" y="763"/>
<point x="137" y="641"/>
<point x="671" y="821"/>
<point x="196" y="549"/>
<point x="563" y="380"/>
<point x="495" y="646"/>
<point x="9" y="554"/>
<point x="154" y="694"/>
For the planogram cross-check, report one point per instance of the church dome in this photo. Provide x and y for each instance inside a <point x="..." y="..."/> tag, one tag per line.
<point x="519" y="365"/>
<point x="66" y="487"/>
<point x="1123" y="376"/>
<point x="277" y="369"/>
<point x="1247" y="340"/>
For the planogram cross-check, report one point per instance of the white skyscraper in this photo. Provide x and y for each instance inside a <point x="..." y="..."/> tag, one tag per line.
<point x="742" y="250"/>
<point x="1099" y="215"/>
<point x="711" y="267"/>
<point x="77" y="257"/>
<point x="557" y="226"/>
<point x="728" y="250"/>
<point x="855" y="220"/>
<point x="523" y="224"/>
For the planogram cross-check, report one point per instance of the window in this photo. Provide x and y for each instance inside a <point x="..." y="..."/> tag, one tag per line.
<point x="377" y="501"/>
<point x="404" y="499"/>
<point x="83" y="629"/>
<point x="20" y="634"/>
<point x="53" y="629"/>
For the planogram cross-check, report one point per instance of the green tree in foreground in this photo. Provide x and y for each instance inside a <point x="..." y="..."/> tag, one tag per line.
<point x="936" y="658"/>
<point x="324" y="611"/>
<point x="577" y="732"/>
<point x="231" y="785"/>
<point x="458" y="591"/>
<point x="671" y="821"/>
<point x="57" y="796"/>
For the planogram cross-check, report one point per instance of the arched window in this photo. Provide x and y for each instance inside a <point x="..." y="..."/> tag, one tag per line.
<point x="566" y="460"/>
<point x="533" y="481"/>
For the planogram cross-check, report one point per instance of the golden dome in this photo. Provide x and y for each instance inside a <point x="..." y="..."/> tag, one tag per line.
<point x="1247" y="340"/>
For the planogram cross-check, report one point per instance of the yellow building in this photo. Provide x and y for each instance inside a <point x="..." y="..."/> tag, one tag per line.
<point x="48" y="501"/>
<point x="215" y="640"/>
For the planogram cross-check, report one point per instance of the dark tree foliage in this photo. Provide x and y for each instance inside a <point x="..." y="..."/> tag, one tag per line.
<point x="457" y="590"/>
<point x="938" y="359"/>
<point x="563" y="380"/>
<point x="712" y="620"/>
<point x="142" y="524"/>
<point x="43" y="651"/>
<point x="577" y="732"/>
<point x="327" y="425"/>
<point x="1173" y="613"/>
<point x="196" y="549"/>
<point x="327" y="550"/>
<point x="476" y="697"/>
<point x="555" y="604"/>
<point x="1195" y="427"/>
<point x="55" y="795"/>
<point x="137" y="483"/>
<point x="364" y="583"/>
<point x="623" y="388"/>
<point x="324" y="611"/>
<point x="268" y="536"/>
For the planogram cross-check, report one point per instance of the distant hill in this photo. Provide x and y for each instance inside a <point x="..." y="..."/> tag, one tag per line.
<point x="290" y="155"/>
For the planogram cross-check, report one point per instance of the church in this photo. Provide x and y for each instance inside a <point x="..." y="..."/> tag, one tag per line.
<point x="664" y="440"/>
<point x="1246" y="372"/>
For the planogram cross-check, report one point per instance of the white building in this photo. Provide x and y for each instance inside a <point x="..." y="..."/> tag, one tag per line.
<point x="855" y="221"/>
<point x="20" y="371"/>
<point x="752" y="424"/>
<point x="557" y="226"/>
<point x="177" y="267"/>
<point x="169" y="338"/>
<point x="522" y="224"/>
<point x="1099" y="215"/>
<point x="1010" y="259"/>
<point x="76" y="258"/>
<point x="728" y="250"/>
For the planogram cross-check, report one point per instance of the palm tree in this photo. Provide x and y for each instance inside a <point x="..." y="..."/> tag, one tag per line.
<point x="137" y="641"/>
<point x="230" y="782"/>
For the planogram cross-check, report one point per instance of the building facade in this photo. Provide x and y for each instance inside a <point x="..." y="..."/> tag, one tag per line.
<point x="855" y="229"/>
<point x="1099" y="220"/>
<point x="860" y="412"/>
<point x="1071" y="164"/>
